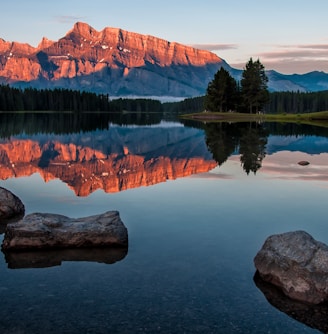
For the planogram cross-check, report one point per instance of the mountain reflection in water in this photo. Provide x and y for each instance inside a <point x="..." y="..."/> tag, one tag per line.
<point x="89" y="152"/>
<point x="189" y="266"/>
<point x="113" y="159"/>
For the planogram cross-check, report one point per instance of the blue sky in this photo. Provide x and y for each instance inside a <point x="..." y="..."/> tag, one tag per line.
<point x="290" y="36"/>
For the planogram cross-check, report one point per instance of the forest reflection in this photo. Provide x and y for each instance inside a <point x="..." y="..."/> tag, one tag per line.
<point x="247" y="139"/>
<point x="13" y="124"/>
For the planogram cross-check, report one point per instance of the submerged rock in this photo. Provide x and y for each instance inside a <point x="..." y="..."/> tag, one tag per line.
<point x="297" y="264"/>
<point x="303" y="163"/>
<point x="44" y="230"/>
<point x="10" y="206"/>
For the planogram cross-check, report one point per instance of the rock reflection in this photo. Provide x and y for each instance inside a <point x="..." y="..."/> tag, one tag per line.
<point x="51" y="258"/>
<point x="314" y="316"/>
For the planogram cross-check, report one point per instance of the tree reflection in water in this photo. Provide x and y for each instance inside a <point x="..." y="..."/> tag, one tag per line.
<point x="249" y="139"/>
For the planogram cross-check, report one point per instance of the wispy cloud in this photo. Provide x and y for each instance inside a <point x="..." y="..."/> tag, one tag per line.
<point x="307" y="57"/>
<point x="212" y="176"/>
<point x="313" y="46"/>
<point x="215" y="47"/>
<point x="298" y="53"/>
<point x="69" y="18"/>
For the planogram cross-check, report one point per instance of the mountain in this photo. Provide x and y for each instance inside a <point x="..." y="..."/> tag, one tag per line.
<point x="309" y="82"/>
<point x="122" y="63"/>
<point x="111" y="61"/>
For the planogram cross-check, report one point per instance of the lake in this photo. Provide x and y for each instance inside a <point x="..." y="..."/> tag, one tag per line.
<point x="198" y="201"/>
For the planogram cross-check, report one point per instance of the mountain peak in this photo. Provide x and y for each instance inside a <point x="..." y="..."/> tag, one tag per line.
<point x="84" y="30"/>
<point x="112" y="61"/>
<point x="45" y="43"/>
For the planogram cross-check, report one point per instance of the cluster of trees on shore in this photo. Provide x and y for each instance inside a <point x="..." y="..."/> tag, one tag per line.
<point x="224" y="93"/>
<point x="251" y="94"/>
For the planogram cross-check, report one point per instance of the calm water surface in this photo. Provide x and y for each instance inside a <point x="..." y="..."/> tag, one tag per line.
<point x="192" y="239"/>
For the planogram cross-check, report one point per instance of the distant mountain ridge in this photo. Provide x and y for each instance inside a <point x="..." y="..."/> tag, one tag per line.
<point x="122" y="63"/>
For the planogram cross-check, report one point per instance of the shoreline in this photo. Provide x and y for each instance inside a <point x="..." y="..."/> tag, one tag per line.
<point x="317" y="118"/>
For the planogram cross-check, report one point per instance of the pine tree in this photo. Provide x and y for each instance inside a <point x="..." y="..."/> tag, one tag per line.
<point x="221" y="94"/>
<point x="254" y="89"/>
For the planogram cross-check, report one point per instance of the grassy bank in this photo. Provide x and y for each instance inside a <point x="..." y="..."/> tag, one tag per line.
<point x="316" y="118"/>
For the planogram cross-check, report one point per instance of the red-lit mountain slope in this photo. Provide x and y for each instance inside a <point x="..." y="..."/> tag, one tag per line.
<point x="110" y="61"/>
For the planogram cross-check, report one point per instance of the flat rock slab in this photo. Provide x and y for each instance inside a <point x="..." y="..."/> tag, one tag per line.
<point x="10" y="205"/>
<point x="44" y="230"/>
<point x="297" y="264"/>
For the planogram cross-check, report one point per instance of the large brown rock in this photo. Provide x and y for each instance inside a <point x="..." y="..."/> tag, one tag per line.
<point x="44" y="230"/>
<point x="10" y="205"/>
<point x="297" y="264"/>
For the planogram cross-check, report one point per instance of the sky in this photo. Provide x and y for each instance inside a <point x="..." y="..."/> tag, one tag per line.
<point x="289" y="36"/>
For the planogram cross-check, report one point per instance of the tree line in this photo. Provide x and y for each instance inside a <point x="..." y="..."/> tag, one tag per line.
<point x="279" y="103"/>
<point x="31" y="99"/>
<point x="223" y="94"/>
<point x="297" y="102"/>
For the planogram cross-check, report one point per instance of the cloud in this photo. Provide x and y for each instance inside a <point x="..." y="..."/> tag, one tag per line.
<point x="314" y="46"/>
<point x="215" y="47"/>
<point x="69" y="18"/>
<point x="296" y="54"/>
<point x="289" y="59"/>
<point x="284" y="165"/>
<point x="296" y="58"/>
<point x="212" y="176"/>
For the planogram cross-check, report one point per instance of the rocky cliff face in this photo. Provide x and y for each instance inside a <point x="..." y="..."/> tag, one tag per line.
<point x="110" y="61"/>
<point x="113" y="160"/>
<point x="122" y="63"/>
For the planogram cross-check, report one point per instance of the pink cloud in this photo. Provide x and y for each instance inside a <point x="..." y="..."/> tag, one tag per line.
<point x="214" y="47"/>
<point x="297" y="58"/>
